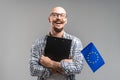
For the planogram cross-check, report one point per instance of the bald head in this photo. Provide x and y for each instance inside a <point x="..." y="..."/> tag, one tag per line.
<point x="58" y="10"/>
<point x="57" y="19"/>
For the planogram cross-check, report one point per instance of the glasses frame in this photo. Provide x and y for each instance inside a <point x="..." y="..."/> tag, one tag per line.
<point x="56" y="15"/>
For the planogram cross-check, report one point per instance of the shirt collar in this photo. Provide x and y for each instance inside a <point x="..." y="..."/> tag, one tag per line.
<point x="64" y="34"/>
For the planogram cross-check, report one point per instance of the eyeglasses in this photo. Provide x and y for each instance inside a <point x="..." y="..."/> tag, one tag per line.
<point x="62" y="15"/>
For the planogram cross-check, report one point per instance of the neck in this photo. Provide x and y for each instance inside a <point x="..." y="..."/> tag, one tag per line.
<point x="55" y="34"/>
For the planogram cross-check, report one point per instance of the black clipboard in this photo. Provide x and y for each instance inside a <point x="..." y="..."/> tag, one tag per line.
<point x="57" y="48"/>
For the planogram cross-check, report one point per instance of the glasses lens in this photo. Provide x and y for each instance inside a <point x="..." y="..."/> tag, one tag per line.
<point x="62" y="15"/>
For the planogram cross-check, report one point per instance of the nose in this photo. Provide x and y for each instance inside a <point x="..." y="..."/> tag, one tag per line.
<point x="58" y="16"/>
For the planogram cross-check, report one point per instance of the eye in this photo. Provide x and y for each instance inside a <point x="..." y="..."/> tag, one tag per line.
<point x="53" y="14"/>
<point x="62" y="15"/>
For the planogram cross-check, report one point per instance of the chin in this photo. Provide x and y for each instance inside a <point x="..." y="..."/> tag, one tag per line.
<point x="58" y="29"/>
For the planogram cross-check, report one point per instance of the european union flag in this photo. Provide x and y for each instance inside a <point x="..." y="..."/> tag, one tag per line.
<point x="92" y="57"/>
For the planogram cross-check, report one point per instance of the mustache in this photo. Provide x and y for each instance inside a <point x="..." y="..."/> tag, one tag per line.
<point x="59" y="20"/>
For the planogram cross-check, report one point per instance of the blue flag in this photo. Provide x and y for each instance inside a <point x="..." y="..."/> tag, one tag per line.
<point x="92" y="57"/>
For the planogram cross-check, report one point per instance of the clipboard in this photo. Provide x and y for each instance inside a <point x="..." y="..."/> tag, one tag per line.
<point x="57" y="48"/>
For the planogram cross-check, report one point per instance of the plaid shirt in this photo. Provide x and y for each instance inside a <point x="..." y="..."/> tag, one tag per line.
<point x="70" y="68"/>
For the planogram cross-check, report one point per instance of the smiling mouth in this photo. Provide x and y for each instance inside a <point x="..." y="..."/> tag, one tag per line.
<point x="59" y="22"/>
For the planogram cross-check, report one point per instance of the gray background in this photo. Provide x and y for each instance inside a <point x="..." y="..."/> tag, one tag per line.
<point x="22" y="21"/>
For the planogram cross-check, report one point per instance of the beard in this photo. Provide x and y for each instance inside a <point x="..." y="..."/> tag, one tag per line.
<point x="58" y="21"/>
<point x="57" y="30"/>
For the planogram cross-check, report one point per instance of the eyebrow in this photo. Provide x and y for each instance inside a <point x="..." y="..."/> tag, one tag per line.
<point x="57" y="13"/>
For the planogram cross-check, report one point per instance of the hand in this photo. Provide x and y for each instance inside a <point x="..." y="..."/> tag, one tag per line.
<point x="46" y="61"/>
<point x="60" y="70"/>
<point x="53" y="65"/>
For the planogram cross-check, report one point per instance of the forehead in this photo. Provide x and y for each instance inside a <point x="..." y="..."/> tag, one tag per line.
<point x="58" y="10"/>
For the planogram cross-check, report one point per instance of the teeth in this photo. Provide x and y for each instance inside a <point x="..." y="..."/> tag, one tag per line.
<point x="58" y="22"/>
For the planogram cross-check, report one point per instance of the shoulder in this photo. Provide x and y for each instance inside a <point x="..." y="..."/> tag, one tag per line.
<point x="72" y="37"/>
<point x="76" y="42"/>
<point x="40" y="39"/>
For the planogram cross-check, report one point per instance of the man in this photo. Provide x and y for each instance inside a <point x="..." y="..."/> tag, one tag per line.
<point x="47" y="69"/>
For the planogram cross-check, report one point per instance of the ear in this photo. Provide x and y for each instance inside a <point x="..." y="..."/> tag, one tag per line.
<point x="65" y="20"/>
<point x="49" y="19"/>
